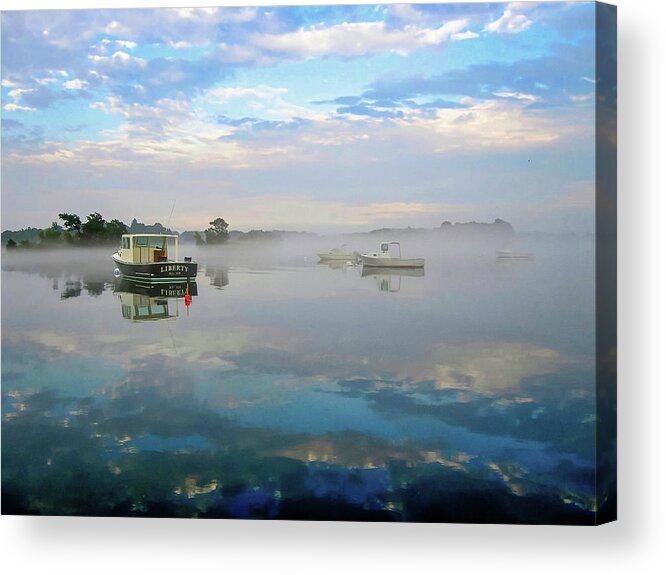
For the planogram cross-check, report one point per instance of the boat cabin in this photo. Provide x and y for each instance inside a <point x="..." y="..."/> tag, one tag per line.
<point x="148" y="248"/>
<point x="385" y="250"/>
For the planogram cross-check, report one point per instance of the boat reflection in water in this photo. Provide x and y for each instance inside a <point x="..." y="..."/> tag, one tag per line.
<point x="389" y="279"/>
<point x="337" y="264"/>
<point x="150" y="302"/>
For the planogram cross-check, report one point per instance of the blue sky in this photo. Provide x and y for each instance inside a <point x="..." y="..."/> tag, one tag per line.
<point x="323" y="118"/>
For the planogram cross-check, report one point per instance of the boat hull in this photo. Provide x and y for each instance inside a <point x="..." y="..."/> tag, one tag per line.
<point x="157" y="272"/>
<point x="156" y="290"/>
<point x="380" y="262"/>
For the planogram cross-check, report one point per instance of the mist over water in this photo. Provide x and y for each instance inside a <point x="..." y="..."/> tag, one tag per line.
<point x="291" y="388"/>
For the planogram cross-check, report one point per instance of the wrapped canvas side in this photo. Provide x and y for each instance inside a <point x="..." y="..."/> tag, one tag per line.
<point x="606" y="261"/>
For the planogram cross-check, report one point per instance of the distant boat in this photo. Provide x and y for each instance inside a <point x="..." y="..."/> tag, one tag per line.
<point x="337" y="255"/>
<point x="508" y="254"/>
<point x="385" y="259"/>
<point x="153" y="258"/>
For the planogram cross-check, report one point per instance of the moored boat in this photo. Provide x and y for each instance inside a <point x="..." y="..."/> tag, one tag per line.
<point x="153" y="258"/>
<point x="385" y="259"/>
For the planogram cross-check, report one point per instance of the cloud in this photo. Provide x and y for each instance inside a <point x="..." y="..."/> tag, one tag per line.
<point x="224" y="94"/>
<point x="32" y="99"/>
<point x="16" y="108"/>
<point x="406" y="13"/>
<point x="468" y="35"/>
<point x="355" y="39"/>
<point x="119" y="59"/>
<point x="521" y="79"/>
<point x="216" y="15"/>
<point x="509" y="23"/>
<point x="75" y="84"/>
<point x="517" y="96"/>
<point x="370" y="111"/>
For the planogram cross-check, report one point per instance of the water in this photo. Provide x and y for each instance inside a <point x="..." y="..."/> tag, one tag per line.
<point x="290" y="389"/>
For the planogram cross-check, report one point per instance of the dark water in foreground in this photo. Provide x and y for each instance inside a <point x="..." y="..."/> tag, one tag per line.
<point x="289" y="389"/>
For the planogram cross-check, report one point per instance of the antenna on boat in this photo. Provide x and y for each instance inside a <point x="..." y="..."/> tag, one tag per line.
<point x="171" y="214"/>
<point x="173" y="341"/>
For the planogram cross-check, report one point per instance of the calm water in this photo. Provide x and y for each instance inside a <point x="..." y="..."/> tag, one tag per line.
<point x="289" y="389"/>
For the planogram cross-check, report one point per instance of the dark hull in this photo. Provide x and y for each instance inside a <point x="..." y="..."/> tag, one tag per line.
<point x="158" y="272"/>
<point x="156" y="290"/>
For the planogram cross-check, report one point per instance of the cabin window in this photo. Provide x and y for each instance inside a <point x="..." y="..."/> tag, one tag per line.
<point x="384" y="247"/>
<point x="140" y="241"/>
<point x="126" y="243"/>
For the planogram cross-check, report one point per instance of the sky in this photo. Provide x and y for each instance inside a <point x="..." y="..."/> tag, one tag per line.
<point x="323" y="118"/>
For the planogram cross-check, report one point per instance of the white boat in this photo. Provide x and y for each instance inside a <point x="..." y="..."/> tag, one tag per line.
<point x="153" y="258"/>
<point x="508" y="254"/>
<point x="385" y="259"/>
<point x="338" y="255"/>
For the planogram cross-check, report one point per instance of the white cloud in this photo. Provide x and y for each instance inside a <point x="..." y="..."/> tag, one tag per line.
<point x="18" y="92"/>
<point x="75" y="84"/>
<point x="115" y="28"/>
<point x="215" y="15"/>
<point x="268" y="102"/>
<point x="406" y="13"/>
<point x="16" y="108"/>
<point x="218" y="95"/>
<point x="357" y="39"/>
<point x="129" y="45"/>
<point x="582" y="97"/>
<point x="509" y="23"/>
<point x="181" y="45"/>
<point x="468" y="35"/>
<point x="517" y="96"/>
<point x="119" y="59"/>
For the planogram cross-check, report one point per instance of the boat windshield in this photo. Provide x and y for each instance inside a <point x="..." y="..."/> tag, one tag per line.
<point x="150" y="241"/>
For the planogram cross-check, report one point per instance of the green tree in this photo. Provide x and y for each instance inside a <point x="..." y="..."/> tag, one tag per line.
<point x="72" y="222"/>
<point x="50" y="235"/>
<point x="94" y="228"/>
<point x="115" y="229"/>
<point x="11" y="244"/>
<point x="218" y="232"/>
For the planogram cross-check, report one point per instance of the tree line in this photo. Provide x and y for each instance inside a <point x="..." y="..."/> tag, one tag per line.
<point x="95" y="230"/>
